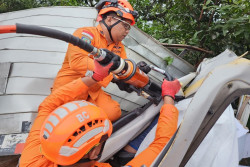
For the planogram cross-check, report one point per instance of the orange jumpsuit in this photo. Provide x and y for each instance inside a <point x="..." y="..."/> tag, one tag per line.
<point x="32" y="156"/>
<point x="77" y="63"/>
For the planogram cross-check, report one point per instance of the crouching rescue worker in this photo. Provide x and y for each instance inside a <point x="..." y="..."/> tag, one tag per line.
<point x="72" y="133"/>
<point x="65" y="130"/>
<point x="116" y="18"/>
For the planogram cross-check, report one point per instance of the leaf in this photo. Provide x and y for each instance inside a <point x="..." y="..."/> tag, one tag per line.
<point x="225" y="30"/>
<point x="196" y="33"/>
<point x="191" y="2"/>
<point x="208" y="2"/>
<point x="239" y="32"/>
<point x="163" y="40"/>
<point x="246" y="35"/>
<point x="168" y="60"/>
<point x="204" y="7"/>
<point x="170" y="41"/>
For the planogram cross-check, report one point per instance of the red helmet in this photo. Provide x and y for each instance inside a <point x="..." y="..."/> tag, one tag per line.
<point x="121" y="7"/>
<point x="72" y="130"/>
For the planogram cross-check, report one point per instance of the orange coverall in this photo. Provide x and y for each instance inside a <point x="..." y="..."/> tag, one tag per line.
<point x="77" y="62"/>
<point x="32" y="156"/>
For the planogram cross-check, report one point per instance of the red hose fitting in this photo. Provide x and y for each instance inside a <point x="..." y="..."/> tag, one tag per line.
<point x="7" y="29"/>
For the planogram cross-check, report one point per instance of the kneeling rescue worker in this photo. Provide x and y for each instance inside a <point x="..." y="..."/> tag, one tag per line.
<point x="115" y="20"/>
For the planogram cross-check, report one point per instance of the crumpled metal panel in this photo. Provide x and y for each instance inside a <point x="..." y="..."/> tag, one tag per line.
<point x="206" y="66"/>
<point x="219" y="83"/>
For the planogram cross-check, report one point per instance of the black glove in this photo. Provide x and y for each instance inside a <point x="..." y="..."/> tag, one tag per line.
<point x="109" y="56"/>
<point x="143" y="66"/>
<point x="122" y="85"/>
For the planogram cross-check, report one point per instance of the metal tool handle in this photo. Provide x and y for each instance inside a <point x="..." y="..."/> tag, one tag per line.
<point x="165" y="73"/>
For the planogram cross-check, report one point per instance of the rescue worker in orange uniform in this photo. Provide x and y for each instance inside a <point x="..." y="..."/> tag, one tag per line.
<point x="58" y="124"/>
<point x="116" y="18"/>
<point x="68" y="132"/>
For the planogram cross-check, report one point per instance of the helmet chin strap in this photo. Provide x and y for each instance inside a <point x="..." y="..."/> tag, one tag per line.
<point x="110" y="27"/>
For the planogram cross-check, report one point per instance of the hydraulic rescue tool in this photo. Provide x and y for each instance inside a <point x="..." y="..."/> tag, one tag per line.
<point x="123" y="70"/>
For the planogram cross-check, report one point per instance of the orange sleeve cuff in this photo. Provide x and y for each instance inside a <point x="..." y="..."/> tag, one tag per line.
<point x="78" y="86"/>
<point x="71" y="90"/>
<point x="166" y="107"/>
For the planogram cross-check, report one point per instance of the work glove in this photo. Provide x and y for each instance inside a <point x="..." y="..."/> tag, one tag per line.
<point x="122" y="85"/>
<point x="100" y="72"/>
<point x="103" y="68"/>
<point x="109" y="57"/>
<point x="143" y="66"/>
<point x="170" y="88"/>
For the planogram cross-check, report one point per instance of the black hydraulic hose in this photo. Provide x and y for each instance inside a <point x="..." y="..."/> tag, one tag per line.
<point x="37" y="30"/>
<point x="168" y="76"/>
<point x="153" y="90"/>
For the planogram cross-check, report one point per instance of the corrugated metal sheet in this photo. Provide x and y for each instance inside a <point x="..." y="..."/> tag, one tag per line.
<point x="17" y="122"/>
<point x="36" y="60"/>
<point x="29" y="86"/>
<point x="11" y="104"/>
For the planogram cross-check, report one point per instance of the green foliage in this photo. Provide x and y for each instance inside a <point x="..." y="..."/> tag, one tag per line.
<point x="168" y="60"/>
<point x="214" y="25"/>
<point x="14" y="5"/>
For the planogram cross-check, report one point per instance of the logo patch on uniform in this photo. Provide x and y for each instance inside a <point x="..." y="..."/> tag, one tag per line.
<point x="87" y="36"/>
<point x="86" y="39"/>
